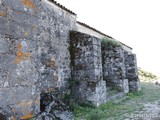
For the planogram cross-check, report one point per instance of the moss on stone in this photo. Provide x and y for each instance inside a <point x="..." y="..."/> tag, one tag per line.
<point x="110" y="42"/>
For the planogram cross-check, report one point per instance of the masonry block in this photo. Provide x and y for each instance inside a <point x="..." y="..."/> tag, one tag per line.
<point x="114" y="72"/>
<point x="87" y="68"/>
<point x="132" y="71"/>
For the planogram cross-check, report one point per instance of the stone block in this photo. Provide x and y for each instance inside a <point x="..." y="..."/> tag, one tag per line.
<point x="24" y="18"/>
<point x="134" y="85"/>
<point x="132" y="72"/>
<point x="3" y="25"/>
<point x="114" y="66"/>
<point x="14" y="95"/>
<point x="99" y="95"/>
<point x="4" y="46"/>
<point x="125" y="85"/>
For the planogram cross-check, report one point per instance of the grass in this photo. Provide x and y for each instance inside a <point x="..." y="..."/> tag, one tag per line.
<point x="110" y="41"/>
<point x="111" y="111"/>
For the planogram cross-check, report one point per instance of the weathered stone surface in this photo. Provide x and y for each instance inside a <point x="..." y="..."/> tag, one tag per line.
<point x="86" y="57"/>
<point x="87" y="69"/>
<point x="34" y="55"/>
<point x="125" y="85"/>
<point x="132" y="71"/>
<point x="98" y="96"/>
<point x="38" y="51"/>
<point x="114" y="67"/>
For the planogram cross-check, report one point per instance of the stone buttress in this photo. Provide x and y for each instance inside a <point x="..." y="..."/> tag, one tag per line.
<point x="87" y="69"/>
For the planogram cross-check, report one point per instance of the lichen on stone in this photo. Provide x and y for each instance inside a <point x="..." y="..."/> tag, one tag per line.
<point x="3" y="14"/>
<point x="21" y="56"/>
<point x="28" y="3"/>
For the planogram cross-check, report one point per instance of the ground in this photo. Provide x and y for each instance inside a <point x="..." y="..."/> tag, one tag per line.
<point x="143" y="105"/>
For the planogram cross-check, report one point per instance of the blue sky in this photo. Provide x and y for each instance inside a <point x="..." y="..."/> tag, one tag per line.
<point x="133" y="22"/>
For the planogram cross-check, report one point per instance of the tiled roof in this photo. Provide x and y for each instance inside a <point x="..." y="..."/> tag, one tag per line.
<point x="61" y="6"/>
<point x="83" y="24"/>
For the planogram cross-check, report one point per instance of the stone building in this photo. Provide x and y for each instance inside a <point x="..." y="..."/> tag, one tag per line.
<point x="42" y="46"/>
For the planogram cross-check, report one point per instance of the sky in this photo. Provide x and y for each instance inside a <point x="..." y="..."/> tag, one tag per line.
<point x="133" y="22"/>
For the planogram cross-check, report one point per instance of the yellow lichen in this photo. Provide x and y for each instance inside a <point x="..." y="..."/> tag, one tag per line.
<point x="21" y="56"/>
<point x="28" y="116"/>
<point x="28" y="3"/>
<point x="24" y="104"/>
<point x="25" y="34"/>
<point x="36" y="101"/>
<point x="23" y="109"/>
<point x="3" y="14"/>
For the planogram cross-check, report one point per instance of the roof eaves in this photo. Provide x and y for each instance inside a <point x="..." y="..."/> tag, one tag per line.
<point x="61" y="6"/>
<point x="100" y="32"/>
<point x="93" y="29"/>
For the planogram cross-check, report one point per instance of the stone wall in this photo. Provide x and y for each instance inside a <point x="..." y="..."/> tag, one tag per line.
<point x="114" y="72"/>
<point x="39" y="55"/>
<point x="120" y="68"/>
<point x="87" y="68"/>
<point x="132" y="71"/>
<point x="34" y="55"/>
